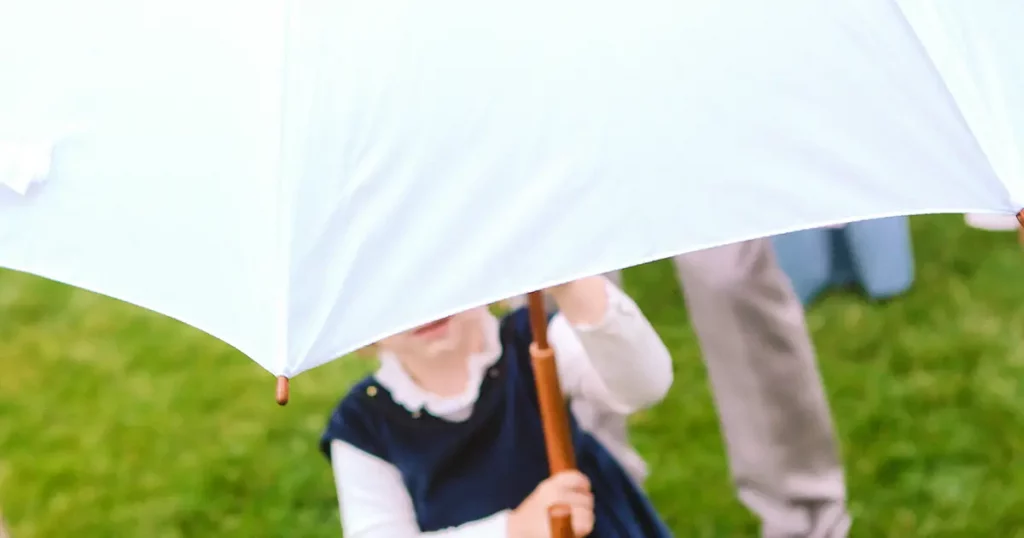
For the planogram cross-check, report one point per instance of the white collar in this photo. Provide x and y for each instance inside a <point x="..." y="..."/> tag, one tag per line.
<point x="404" y="390"/>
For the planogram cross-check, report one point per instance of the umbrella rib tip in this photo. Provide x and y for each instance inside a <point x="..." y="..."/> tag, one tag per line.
<point x="282" y="390"/>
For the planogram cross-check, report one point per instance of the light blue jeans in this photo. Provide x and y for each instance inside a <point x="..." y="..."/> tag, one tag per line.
<point x="876" y="255"/>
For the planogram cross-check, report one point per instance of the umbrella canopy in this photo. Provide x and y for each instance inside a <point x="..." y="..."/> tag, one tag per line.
<point x="300" y="178"/>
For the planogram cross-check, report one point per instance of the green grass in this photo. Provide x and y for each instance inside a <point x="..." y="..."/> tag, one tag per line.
<point x="115" y="422"/>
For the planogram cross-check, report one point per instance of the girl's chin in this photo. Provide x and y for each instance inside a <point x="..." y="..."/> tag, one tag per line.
<point x="441" y="349"/>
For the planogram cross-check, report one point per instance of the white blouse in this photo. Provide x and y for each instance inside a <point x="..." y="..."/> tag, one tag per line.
<point x="618" y="366"/>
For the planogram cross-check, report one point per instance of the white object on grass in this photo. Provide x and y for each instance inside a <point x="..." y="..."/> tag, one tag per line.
<point x="992" y="222"/>
<point x="318" y="174"/>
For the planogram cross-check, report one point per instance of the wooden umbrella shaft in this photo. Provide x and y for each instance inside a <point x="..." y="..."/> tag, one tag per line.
<point x="538" y="319"/>
<point x="553" y="413"/>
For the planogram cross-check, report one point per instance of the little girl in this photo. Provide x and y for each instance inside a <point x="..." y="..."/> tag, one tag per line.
<point x="445" y="440"/>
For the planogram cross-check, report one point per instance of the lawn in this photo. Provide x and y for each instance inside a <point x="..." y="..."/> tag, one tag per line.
<point x="116" y="422"/>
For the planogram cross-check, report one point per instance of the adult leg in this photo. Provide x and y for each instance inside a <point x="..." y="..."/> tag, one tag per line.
<point x="776" y="421"/>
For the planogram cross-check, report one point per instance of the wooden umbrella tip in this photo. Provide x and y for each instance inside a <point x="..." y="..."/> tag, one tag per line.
<point x="282" y="390"/>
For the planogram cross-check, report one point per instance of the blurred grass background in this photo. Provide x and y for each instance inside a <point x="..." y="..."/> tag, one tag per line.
<point x="117" y="422"/>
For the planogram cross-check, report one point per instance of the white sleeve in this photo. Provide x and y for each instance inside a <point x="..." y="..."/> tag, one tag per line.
<point x="374" y="503"/>
<point x="620" y="363"/>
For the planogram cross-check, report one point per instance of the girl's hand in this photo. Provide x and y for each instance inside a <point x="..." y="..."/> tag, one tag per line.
<point x="569" y="488"/>
<point x="583" y="301"/>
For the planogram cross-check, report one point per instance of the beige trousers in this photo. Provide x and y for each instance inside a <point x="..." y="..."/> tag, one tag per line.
<point x="780" y="441"/>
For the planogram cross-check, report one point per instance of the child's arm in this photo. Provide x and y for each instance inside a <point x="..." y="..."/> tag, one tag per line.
<point x="375" y="504"/>
<point x="606" y="350"/>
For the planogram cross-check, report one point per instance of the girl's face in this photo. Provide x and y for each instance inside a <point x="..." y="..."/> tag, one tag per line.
<point x="437" y="340"/>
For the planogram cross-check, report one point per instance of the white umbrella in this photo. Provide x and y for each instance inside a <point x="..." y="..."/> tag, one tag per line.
<point x="973" y="45"/>
<point x="300" y="178"/>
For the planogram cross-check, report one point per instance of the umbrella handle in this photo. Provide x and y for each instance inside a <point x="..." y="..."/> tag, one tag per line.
<point x="561" y="522"/>
<point x="553" y="413"/>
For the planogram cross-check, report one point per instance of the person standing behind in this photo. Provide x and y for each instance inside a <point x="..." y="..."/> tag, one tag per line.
<point x="780" y="441"/>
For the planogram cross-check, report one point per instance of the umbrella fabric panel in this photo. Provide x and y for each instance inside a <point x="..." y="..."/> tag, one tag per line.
<point x="490" y="150"/>
<point x="976" y="46"/>
<point x="165" y="122"/>
<point x="312" y="176"/>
